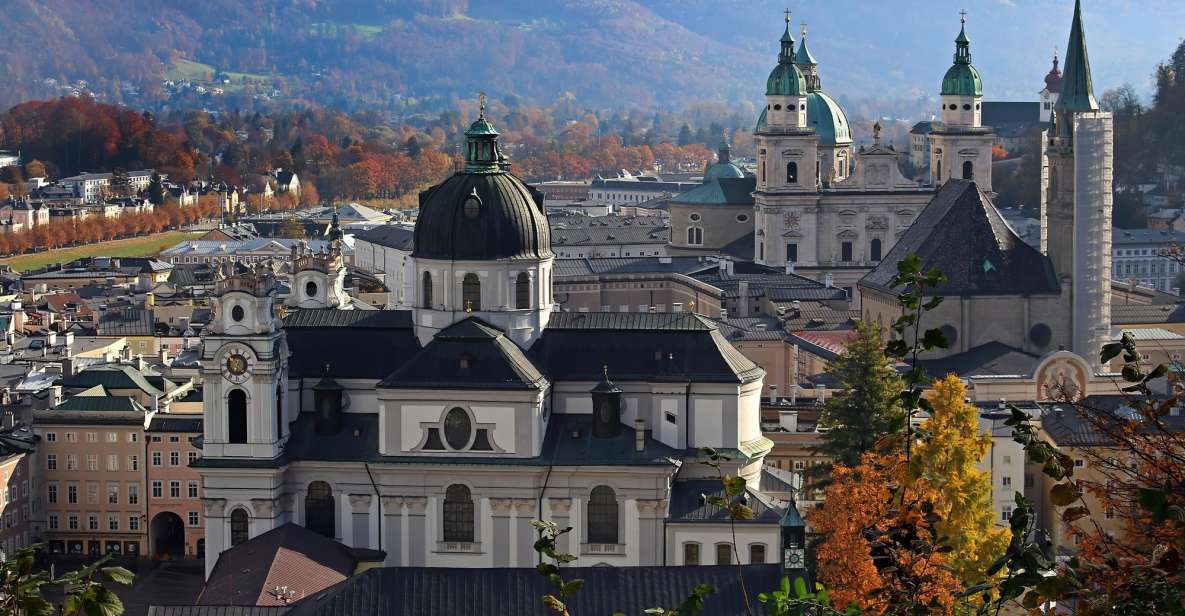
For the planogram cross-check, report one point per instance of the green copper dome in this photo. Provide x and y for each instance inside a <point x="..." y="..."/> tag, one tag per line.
<point x="786" y="79"/>
<point x="762" y="120"/>
<point x="962" y="79"/>
<point x="828" y="119"/>
<point x="723" y="167"/>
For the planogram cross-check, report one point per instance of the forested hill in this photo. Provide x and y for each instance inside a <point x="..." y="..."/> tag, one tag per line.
<point x="357" y="54"/>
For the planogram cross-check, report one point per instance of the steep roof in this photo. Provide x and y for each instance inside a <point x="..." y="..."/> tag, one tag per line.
<point x="963" y="234"/>
<point x="319" y="337"/>
<point x="1077" y="86"/>
<point x="720" y="191"/>
<point x="688" y="504"/>
<point x="391" y="236"/>
<point x="470" y="354"/>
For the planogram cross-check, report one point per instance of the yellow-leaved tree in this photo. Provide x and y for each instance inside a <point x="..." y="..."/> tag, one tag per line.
<point x="943" y="470"/>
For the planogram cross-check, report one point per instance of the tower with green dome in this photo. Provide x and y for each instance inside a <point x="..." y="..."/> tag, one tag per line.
<point x="826" y="118"/>
<point x="786" y="147"/>
<point x="961" y="146"/>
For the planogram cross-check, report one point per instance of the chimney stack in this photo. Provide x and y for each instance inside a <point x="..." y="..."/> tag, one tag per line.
<point x="773" y="394"/>
<point x="639" y="434"/>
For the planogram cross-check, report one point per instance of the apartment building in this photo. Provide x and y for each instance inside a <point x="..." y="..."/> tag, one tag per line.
<point x="17" y="445"/>
<point x="174" y="489"/>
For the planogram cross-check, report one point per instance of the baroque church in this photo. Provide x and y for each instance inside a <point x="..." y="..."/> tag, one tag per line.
<point x="438" y="434"/>
<point x="819" y="206"/>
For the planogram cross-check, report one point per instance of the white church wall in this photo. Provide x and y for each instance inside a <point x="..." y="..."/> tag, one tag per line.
<point x="709" y="535"/>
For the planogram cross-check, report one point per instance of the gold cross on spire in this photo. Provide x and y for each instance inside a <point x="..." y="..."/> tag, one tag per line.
<point x="963" y="16"/>
<point x="787" y="11"/>
<point x="481" y="104"/>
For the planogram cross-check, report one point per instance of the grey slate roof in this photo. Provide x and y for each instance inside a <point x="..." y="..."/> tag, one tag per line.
<point x="675" y="347"/>
<point x="1127" y="314"/>
<point x="124" y="404"/>
<point x="963" y="234"/>
<point x="127" y="321"/>
<point x="216" y="610"/>
<point x="688" y="504"/>
<point x="391" y="236"/>
<point x="990" y="359"/>
<point x="631" y="265"/>
<point x="408" y="591"/>
<point x="177" y="423"/>
<point x="470" y="354"/>
<point x="1121" y="237"/>
<point x="319" y="337"/>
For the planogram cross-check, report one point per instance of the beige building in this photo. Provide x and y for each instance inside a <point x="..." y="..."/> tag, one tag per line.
<point x="174" y="489"/>
<point x="658" y="284"/>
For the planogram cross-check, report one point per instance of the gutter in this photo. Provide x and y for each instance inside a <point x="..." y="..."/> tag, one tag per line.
<point x="378" y="496"/>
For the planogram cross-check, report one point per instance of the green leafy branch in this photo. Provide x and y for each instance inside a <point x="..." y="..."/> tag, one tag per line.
<point x="86" y="593"/>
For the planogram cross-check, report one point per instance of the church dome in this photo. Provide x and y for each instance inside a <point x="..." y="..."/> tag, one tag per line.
<point x="828" y="119"/>
<point x="1053" y="81"/>
<point x="962" y="79"/>
<point x="484" y="212"/>
<point x="785" y="80"/>
<point x="723" y="167"/>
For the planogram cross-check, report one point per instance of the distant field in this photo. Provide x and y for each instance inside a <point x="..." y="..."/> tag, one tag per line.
<point x="134" y="247"/>
<point x="183" y="69"/>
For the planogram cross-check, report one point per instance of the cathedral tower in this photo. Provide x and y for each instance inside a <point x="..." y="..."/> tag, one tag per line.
<point x="483" y="247"/>
<point x="1077" y="200"/>
<point x="962" y="147"/>
<point x="827" y="119"/>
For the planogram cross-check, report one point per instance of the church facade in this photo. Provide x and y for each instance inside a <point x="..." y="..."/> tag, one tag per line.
<point x="438" y="434"/>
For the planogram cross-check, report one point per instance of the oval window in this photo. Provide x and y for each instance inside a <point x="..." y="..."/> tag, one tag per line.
<point x="237" y="313"/>
<point x="310" y="289"/>
<point x="777" y="107"/>
<point x="967" y="107"/>
<point x="694" y="217"/>
<point x="457" y="428"/>
<point x="472" y="206"/>
<point x="742" y="218"/>
<point x="802" y="107"/>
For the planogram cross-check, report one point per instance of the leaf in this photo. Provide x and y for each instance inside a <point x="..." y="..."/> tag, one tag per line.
<point x="740" y="512"/>
<point x="734" y="485"/>
<point x="572" y="587"/>
<point x="119" y="575"/>
<point x="103" y="603"/>
<point x="1157" y="372"/>
<point x="934" y="339"/>
<point x="1110" y="351"/>
<point x="1074" y="513"/>
<point x="1063" y="494"/>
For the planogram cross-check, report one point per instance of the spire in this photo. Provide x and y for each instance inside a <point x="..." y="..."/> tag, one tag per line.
<point x="1077" y="87"/>
<point x="482" y="154"/>
<point x="807" y="63"/>
<point x="962" y="43"/>
<point x="723" y="155"/>
<point x="787" y="54"/>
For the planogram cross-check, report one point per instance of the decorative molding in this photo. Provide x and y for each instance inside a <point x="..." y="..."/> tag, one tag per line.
<point x="214" y="507"/>
<point x="263" y="506"/>
<point x="392" y="505"/>
<point x="524" y="506"/>
<point x="360" y="502"/>
<point x="652" y="508"/>
<point x="501" y="506"/>
<point x="559" y="506"/>
<point x="416" y="505"/>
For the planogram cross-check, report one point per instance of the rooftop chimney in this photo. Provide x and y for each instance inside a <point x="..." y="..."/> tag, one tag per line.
<point x="773" y="394"/>
<point x="828" y="280"/>
<point x="639" y="434"/>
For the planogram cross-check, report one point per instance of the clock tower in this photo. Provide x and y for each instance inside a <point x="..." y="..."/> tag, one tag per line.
<point x="793" y="529"/>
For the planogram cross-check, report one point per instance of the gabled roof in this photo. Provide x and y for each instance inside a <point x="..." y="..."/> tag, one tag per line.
<point x="390" y="236"/>
<point x="963" y="234"/>
<point x="124" y="404"/>
<point x="471" y="354"/>
<point x="407" y="591"/>
<point x="115" y="376"/>
<point x="688" y="504"/>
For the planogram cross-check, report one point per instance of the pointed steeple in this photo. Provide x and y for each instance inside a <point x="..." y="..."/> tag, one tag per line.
<point x="962" y="79"/>
<point x="786" y="56"/>
<point x="806" y="61"/>
<point x="1077" y="85"/>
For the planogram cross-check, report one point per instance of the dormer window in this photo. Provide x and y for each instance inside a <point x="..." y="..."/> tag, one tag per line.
<point x="472" y="206"/>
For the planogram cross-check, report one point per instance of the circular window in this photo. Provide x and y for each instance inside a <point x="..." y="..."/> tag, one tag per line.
<point x="951" y="334"/>
<point x="472" y="206"/>
<point x="694" y="217"/>
<point x="802" y="107"/>
<point x="954" y="107"/>
<point x="742" y="218"/>
<point x="1040" y="335"/>
<point x="777" y="107"/>
<point x="967" y="107"/>
<point x="310" y="289"/>
<point x="237" y="313"/>
<point x="457" y="428"/>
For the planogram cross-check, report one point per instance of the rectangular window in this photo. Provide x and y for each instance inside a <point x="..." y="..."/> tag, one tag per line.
<point x="193" y="456"/>
<point x="1007" y="459"/>
<point x="174" y="458"/>
<point x="174" y="489"/>
<point x="51" y="437"/>
<point x="723" y="554"/>
<point x="193" y="489"/>
<point x="133" y="493"/>
<point x="71" y="461"/>
<point x="112" y="493"/>
<point x="792" y="253"/>
<point x="112" y="462"/>
<point x="113" y="522"/>
<point x="154" y="439"/>
<point x="52" y="492"/>
<point x="92" y="437"/>
<point x="133" y="522"/>
<point x="690" y="553"/>
<point x="71" y="437"/>
<point x="53" y="521"/>
<point x="133" y="463"/>
<point x="112" y="437"/>
<point x="72" y="494"/>
<point x="92" y="462"/>
<point x="158" y="489"/>
<point x="92" y="493"/>
<point x="92" y="521"/>
<point x="845" y="252"/>
<point x="51" y="461"/>
<point x="1006" y="513"/>
<point x="156" y="458"/>
<point x="133" y="437"/>
<point x="174" y="439"/>
<point x="1007" y="481"/>
<point x="193" y="520"/>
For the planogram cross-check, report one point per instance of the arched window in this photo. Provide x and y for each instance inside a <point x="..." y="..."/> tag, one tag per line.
<point x="458" y="514"/>
<point x="939" y="170"/>
<point x="471" y="293"/>
<point x="875" y="250"/>
<point x="426" y="292"/>
<point x="522" y="291"/>
<point x="756" y="553"/>
<point x="968" y="170"/>
<point x="723" y="553"/>
<point x="602" y="515"/>
<point x="695" y="236"/>
<point x="239" y="524"/>
<point x="690" y="553"/>
<point x="279" y="411"/>
<point x="319" y="509"/>
<point x="236" y="416"/>
<point x="791" y="173"/>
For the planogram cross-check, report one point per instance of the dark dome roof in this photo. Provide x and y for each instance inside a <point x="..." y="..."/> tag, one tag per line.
<point x="509" y="224"/>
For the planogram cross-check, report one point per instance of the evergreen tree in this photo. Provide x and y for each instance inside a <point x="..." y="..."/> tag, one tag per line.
<point x="685" y="135"/>
<point x="156" y="189"/>
<point x="867" y="406"/>
<point x="943" y="470"/>
<point x="119" y="185"/>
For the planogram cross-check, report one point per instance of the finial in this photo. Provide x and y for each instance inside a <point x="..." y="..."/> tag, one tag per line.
<point x="605" y="371"/>
<point x="963" y="17"/>
<point x="468" y="306"/>
<point x="802" y="30"/>
<point x="787" y="11"/>
<point x="326" y="368"/>
<point x="481" y="104"/>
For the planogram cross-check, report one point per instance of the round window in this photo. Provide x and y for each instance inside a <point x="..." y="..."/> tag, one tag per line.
<point x="742" y="218"/>
<point x="777" y="107"/>
<point x="310" y="289"/>
<point x="457" y="428"/>
<point x="977" y="106"/>
<point x="967" y="107"/>
<point x="1040" y="335"/>
<point x="237" y="313"/>
<point x="694" y="217"/>
<point x="472" y="206"/>
<point x="953" y="107"/>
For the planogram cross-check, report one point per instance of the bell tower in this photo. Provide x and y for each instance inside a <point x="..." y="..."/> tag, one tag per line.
<point x="961" y="147"/>
<point x="245" y="368"/>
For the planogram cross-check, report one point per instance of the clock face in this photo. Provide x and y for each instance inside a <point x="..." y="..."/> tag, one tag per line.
<point x="236" y="366"/>
<point x="794" y="558"/>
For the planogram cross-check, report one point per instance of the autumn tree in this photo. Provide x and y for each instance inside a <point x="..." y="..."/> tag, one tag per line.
<point x="35" y="169"/>
<point x="943" y="469"/>
<point x="866" y="407"/>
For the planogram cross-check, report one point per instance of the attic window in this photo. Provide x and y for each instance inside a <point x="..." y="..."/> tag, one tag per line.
<point x="472" y="206"/>
<point x="464" y="363"/>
